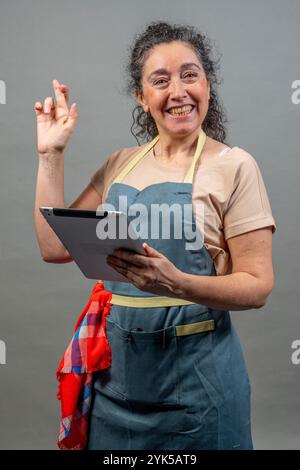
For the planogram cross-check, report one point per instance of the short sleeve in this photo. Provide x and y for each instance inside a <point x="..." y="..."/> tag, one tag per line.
<point x="248" y="207"/>
<point x="100" y="177"/>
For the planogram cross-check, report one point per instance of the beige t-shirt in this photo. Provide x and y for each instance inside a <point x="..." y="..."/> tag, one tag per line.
<point x="229" y="184"/>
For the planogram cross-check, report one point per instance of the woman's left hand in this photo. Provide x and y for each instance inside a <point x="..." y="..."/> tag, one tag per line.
<point x="152" y="272"/>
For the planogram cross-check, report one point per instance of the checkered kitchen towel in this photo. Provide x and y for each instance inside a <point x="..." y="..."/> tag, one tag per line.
<point x="88" y="352"/>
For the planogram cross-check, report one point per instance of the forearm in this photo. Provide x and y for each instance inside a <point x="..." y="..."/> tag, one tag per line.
<point x="49" y="192"/>
<point x="237" y="291"/>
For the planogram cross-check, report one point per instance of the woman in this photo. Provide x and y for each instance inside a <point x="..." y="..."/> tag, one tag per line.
<point x="178" y="379"/>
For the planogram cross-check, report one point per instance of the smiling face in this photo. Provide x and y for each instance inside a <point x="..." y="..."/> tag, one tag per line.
<point x="175" y="89"/>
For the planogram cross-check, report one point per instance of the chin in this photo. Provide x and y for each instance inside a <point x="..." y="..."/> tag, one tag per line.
<point x="184" y="130"/>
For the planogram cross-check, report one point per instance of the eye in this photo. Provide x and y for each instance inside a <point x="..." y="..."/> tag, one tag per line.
<point x="160" y="81"/>
<point x="191" y="75"/>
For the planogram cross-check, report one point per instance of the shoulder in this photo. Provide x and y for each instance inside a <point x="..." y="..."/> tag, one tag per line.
<point x="229" y="161"/>
<point x="240" y="155"/>
<point x="242" y="165"/>
<point x="121" y="156"/>
<point x="238" y="158"/>
<point x="116" y="162"/>
<point x="216" y="152"/>
<point x="228" y="172"/>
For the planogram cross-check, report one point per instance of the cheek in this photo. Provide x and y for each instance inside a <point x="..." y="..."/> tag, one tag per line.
<point x="201" y="92"/>
<point x="203" y="100"/>
<point x="157" y="100"/>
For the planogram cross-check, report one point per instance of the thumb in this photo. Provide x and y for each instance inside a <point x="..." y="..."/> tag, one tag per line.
<point x="151" y="251"/>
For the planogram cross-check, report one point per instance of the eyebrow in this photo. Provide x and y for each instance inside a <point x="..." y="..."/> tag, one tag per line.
<point x="183" y="67"/>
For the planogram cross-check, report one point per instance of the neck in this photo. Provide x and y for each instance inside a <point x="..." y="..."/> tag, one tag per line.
<point x="171" y="147"/>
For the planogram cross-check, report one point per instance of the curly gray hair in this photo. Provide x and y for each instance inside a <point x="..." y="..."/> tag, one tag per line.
<point x="144" y="126"/>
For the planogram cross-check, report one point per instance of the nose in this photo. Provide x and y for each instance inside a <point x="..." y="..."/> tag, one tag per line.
<point x="177" y="89"/>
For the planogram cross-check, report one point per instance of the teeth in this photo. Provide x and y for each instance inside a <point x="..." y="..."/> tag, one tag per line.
<point x="181" y="110"/>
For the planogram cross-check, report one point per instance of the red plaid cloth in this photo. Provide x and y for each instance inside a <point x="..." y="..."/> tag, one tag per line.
<point x="88" y="352"/>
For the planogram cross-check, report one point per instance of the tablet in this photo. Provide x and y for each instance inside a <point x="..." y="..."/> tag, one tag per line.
<point x="82" y="234"/>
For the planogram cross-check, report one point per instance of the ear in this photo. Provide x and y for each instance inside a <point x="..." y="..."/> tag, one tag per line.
<point x="140" y="99"/>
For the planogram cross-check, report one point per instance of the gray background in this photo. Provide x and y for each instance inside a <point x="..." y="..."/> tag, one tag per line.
<point x="83" y="44"/>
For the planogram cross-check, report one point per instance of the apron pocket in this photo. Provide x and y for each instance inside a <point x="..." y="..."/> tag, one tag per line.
<point x="144" y="366"/>
<point x="113" y="378"/>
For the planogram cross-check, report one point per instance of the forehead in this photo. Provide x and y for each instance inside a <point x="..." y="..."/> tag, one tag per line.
<point x="170" y="55"/>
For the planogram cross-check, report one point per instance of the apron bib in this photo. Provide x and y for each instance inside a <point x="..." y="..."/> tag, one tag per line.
<point x="178" y="378"/>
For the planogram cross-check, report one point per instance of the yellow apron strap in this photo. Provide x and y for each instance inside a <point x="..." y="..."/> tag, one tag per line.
<point x="147" y="302"/>
<point x="190" y="172"/>
<point x="144" y="302"/>
<point x="135" y="161"/>
<point x="200" y="144"/>
<point x="192" y="328"/>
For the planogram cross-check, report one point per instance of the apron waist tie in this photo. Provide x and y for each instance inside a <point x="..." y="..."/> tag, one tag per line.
<point x="147" y="302"/>
<point x="160" y="301"/>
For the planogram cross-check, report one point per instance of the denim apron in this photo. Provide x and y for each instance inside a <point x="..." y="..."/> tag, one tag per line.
<point x="178" y="378"/>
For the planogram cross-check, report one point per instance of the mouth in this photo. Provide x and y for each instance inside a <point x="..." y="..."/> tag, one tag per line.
<point x="181" y="112"/>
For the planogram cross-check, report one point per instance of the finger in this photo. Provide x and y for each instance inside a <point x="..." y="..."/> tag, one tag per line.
<point x="151" y="251"/>
<point x="38" y="108"/>
<point x="59" y="96"/>
<point x="73" y="115"/>
<point x="113" y="261"/>
<point x="135" y="271"/>
<point x="48" y="105"/>
<point x="134" y="259"/>
<point x="128" y="274"/>
<point x="71" y="118"/>
<point x="65" y="91"/>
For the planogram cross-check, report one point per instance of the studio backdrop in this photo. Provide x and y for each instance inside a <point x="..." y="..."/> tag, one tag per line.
<point x="84" y="45"/>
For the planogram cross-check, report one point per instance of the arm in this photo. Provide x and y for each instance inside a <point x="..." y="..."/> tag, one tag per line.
<point x="55" y="125"/>
<point x="50" y="192"/>
<point x="250" y="283"/>
<point x="252" y="278"/>
<point x="248" y="286"/>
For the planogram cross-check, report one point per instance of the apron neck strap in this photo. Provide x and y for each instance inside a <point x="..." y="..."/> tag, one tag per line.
<point x="189" y="176"/>
<point x="135" y="160"/>
<point x="190" y="172"/>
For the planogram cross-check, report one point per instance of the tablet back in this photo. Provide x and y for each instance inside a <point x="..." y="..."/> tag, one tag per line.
<point x="79" y="232"/>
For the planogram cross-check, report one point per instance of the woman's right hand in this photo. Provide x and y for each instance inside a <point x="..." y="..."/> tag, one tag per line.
<point x="55" y="124"/>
